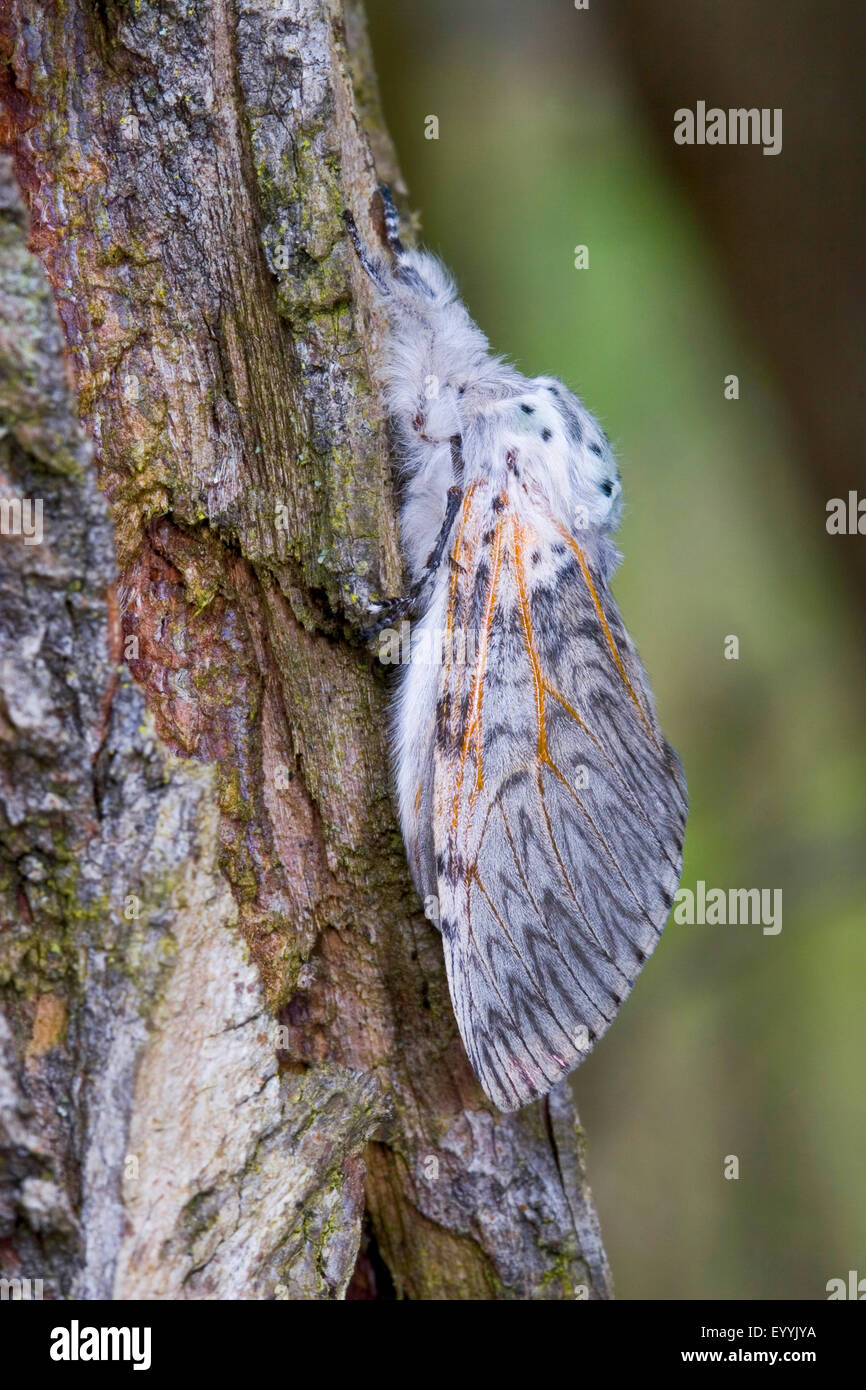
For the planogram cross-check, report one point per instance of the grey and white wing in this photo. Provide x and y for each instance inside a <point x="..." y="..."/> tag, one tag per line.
<point x="558" y="808"/>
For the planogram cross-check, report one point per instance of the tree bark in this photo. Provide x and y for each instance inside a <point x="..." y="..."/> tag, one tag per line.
<point x="229" y="1066"/>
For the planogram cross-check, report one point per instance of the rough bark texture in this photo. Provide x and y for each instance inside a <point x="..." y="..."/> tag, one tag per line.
<point x="227" y="1049"/>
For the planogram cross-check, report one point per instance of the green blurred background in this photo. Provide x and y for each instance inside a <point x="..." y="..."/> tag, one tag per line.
<point x="733" y="1042"/>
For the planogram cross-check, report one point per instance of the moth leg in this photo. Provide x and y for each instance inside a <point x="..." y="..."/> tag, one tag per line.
<point x="371" y="264"/>
<point x="392" y="220"/>
<point x="456" y="442"/>
<point x="452" y="506"/>
<point x="396" y="608"/>
<point x="383" y="276"/>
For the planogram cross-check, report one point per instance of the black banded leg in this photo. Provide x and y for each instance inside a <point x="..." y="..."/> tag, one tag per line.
<point x="392" y="220"/>
<point x="397" y="608"/>
<point x="452" y="506"/>
<point x="456" y="442"/>
<point x="373" y="267"/>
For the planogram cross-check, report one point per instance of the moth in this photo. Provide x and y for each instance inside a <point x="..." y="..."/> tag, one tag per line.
<point x="541" y="808"/>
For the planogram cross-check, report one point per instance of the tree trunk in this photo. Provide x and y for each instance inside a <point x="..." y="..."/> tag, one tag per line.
<point x="228" y="1059"/>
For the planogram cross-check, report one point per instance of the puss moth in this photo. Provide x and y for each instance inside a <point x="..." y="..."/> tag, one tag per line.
<point x="542" y="810"/>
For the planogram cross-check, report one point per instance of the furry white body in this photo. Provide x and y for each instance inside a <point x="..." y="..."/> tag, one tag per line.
<point x="441" y="380"/>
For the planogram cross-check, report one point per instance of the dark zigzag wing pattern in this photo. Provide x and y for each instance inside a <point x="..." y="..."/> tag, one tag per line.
<point x="559" y="810"/>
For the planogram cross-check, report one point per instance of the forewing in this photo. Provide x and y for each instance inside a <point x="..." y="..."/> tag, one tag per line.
<point x="558" y="808"/>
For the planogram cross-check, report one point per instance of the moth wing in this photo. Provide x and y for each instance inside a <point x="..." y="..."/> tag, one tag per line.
<point x="558" y="808"/>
